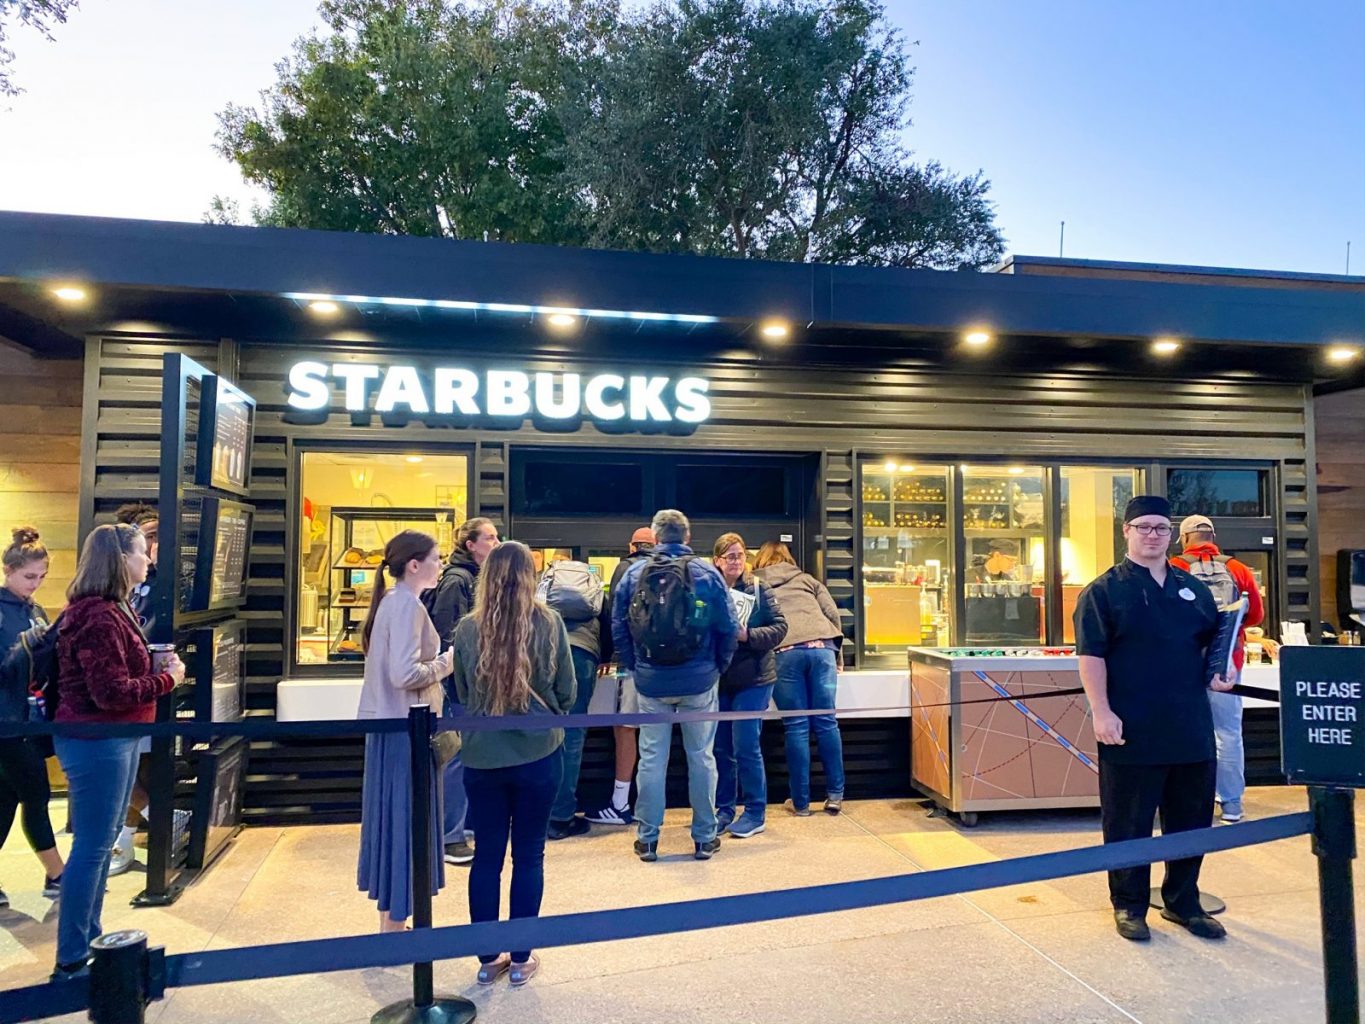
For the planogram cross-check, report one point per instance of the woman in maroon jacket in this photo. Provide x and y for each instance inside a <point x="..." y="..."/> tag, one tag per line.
<point x="104" y="674"/>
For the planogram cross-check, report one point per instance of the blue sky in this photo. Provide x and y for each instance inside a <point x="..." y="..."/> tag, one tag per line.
<point x="1213" y="132"/>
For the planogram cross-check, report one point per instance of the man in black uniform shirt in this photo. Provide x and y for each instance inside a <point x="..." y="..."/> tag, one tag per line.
<point x="1141" y="632"/>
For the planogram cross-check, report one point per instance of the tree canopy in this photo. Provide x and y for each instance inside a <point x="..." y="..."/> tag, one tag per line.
<point x="40" y="15"/>
<point x="752" y="128"/>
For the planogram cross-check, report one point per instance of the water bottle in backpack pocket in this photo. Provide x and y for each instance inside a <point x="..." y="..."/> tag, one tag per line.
<point x="668" y="621"/>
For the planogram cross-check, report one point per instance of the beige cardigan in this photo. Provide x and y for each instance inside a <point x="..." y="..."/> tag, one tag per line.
<point x="402" y="666"/>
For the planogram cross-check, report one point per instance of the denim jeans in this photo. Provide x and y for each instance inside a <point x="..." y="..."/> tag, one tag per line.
<point x="585" y="674"/>
<point x="454" y="800"/>
<point x="510" y="802"/>
<point x="806" y="679"/>
<point x="100" y="775"/>
<point x="739" y="754"/>
<point x="650" y="777"/>
<point x="1227" y="734"/>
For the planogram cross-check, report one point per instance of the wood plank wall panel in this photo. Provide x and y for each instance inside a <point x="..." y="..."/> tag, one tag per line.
<point x="826" y="409"/>
<point x="1339" y="432"/>
<point x="40" y="459"/>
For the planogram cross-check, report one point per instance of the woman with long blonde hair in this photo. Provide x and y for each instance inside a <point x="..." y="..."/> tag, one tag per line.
<point x="511" y="658"/>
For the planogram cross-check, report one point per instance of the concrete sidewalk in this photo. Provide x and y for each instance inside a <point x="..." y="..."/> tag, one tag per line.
<point x="1029" y="953"/>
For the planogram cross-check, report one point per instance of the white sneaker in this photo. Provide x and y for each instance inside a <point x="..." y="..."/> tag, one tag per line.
<point x="122" y="857"/>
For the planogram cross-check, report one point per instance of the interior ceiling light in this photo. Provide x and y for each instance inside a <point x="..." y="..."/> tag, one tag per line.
<point x="888" y="466"/>
<point x="69" y="293"/>
<point x="324" y="307"/>
<point x="1016" y="471"/>
<point x="414" y="459"/>
<point x="978" y="338"/>
<point x="907" y="469"/>
<point x="1340" y="355"/>
<point x="499" y="307"/>
<point x="1165" y="347"/>
<point x="775" y="330"/>
<point x="562" y="320"/>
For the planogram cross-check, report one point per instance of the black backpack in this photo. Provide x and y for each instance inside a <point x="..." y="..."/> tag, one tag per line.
<point x="34" y="661"/>
<point x="667" y="621"/>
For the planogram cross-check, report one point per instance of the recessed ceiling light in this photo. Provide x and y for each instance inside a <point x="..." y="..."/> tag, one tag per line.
<point x="889" y="466"/>
<point x="69" y="293"/>
<point x="1016" y="471"/>
<point x="907" y="469"/>
<point x="1342" y="354"/>
<point x="324" y="307"/>
<point x="1165" y="347"/>
<point x="562" y="320"/>
<point x="414" y="459"/>
<point x="977" y="339"/>
<point x="775" y="330"/>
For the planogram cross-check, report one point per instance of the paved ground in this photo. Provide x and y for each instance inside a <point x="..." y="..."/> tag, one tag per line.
<point x="1030" y="953"/>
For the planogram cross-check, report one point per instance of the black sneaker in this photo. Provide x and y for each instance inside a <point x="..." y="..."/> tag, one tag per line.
<point x="611" y="815"/>
<point x="575" y="826"/>
<point x="647" y="852"/>
<point x="705" y="851"/>
<point x="1131" y="926"/>
<point x="52" y="887"/>
<point x="459" y="853"/>
<point x="1197" y="924"/>
<point x="72" y="971"/>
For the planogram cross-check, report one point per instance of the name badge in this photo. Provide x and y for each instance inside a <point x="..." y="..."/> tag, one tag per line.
<point x="1187" y="593"/>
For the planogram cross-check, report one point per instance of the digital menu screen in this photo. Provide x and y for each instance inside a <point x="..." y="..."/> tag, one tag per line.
<point x="225" y="437"/>
<point x="220" y="672"/>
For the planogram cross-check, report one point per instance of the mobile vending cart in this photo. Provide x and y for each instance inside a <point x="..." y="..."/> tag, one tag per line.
<point x="1017" y="754"/>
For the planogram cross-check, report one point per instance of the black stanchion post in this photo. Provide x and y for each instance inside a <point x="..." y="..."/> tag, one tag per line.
<point x="1334" y="843"/>
<point x="120" y="978"/>
<point x="424" y="1007"/>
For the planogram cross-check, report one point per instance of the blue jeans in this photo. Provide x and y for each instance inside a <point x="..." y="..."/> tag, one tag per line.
<point x="1227" y="734"/>
<point x="806" y="679"/>
<point x="739" y="754"/>
<point x="510" y="802"/>
<point x="454" y="801"/>
<point x="100" y="776"/>
<point x="585" y="674"/>
<point x="651" y="776"/>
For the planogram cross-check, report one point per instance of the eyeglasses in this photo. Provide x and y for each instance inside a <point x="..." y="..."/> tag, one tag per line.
<point x="1161" y="529"/>
<point x="732" y="558"/>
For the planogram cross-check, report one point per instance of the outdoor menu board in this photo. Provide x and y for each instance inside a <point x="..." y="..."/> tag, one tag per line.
<point x="217" y="799"/>
<point x="220" y="672"/>
<point x="220" y="559"/>
<point x="225" y="429"/>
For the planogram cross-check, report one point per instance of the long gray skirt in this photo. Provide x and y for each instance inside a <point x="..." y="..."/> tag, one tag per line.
<point x="385" y="869"/>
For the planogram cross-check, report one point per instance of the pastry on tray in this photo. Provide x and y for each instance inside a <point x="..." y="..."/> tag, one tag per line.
<point x="353" y="556"/>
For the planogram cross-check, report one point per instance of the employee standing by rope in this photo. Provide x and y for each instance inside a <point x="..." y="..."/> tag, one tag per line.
<point x="1141" y="632"/>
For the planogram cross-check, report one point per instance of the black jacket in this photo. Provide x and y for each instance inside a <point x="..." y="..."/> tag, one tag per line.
<point x="754" y="663"/>
<point x="617" y="574"/>
<point x="453" y="596"/>
<point x="16" y="616"/>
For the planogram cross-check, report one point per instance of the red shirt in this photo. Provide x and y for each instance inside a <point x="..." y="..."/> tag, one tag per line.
<point x="1246" y="582"/>
<point x="104" y="670"/>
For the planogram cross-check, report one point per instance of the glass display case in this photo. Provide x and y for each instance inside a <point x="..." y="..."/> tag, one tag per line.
<point x="907" y="563"/>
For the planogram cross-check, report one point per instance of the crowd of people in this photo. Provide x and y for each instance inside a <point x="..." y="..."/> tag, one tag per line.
<point x="493" y="634"/>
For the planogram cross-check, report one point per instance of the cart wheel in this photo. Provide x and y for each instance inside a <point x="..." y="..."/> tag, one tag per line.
<point x="968" y="819"/>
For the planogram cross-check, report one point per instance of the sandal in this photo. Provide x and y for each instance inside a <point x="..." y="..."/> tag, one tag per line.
<point x="489" y="973"/>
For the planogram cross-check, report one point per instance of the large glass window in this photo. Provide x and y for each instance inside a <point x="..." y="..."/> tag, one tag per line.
<point x="1092" y="499"/>
<point x="907" y="564"/>
<point x="1217" y="492"/>
<point x="1004" y="528"/>
<point x="352" y="505"/>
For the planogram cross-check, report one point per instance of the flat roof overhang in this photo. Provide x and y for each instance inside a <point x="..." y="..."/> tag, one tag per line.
<point x="218" y="281"/>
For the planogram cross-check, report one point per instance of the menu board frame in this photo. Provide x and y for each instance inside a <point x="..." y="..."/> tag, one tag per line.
<point x="211" y="511"/>
<point x="216" y="428"/>
<point x="206" y="641"/>
<point x="218" y="799"/>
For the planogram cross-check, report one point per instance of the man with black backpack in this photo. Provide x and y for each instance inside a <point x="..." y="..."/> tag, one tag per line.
<point x="675" y="629"/>
<point x="1228" y="579"/>
<point x="575" y="591"/>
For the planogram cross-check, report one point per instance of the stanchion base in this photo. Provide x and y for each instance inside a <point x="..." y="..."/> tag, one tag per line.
<point x="147" y="898"/>
<point x="1209" y="902"/>
<point x="445" y="1010"/>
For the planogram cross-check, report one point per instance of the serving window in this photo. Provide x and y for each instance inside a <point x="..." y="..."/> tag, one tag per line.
<point x="351" y="504"/>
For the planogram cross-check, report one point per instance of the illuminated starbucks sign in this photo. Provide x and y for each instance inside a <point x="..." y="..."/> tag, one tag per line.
<point x="458" y="391"/>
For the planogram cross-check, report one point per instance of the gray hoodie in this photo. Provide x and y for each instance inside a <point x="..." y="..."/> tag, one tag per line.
<point x="810" y="612"/>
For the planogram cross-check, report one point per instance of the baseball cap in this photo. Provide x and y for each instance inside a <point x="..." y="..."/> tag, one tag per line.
<point x="1191" y="523"/>
<point x="644" y="535"/>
